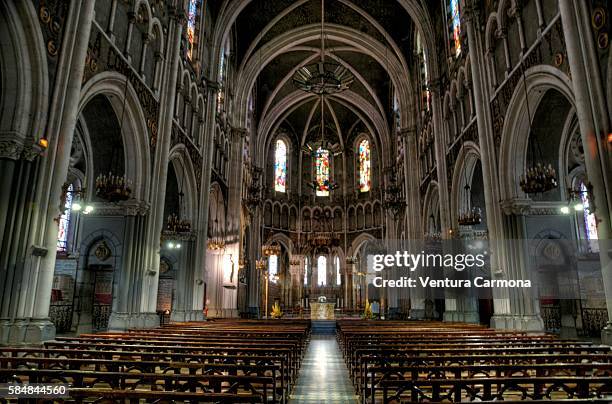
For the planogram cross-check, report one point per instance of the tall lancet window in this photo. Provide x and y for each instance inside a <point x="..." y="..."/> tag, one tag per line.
<point x="223" y="67"/>
<point x="364" y="166"/>
<point x="273" y="267"/>
<point x="306" y="262"/>
<point x="455" y="27"/>
<point x="280" y="166"/>
<point x="426" y="95"/>
<point x="590" y="222"/>
<point x="338" y="276"/>
<point x="322" y="271"/>
<point x="192" y="13"/>
<point x="322" y="172"/>
<point x="64" y="222"/>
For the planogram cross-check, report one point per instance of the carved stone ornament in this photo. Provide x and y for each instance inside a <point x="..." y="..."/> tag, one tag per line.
<point x="102" y="252"/>
<point x="10" y="149"/>
<point x="516" y="206"/>
<point x="551" y="250"/>
<point x="130" y="207"/>
<point x="164" y="266"/>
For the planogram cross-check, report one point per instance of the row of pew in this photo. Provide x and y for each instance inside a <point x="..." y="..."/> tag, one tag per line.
<point x="221" y="361"/>
<point x="418" y="361"/>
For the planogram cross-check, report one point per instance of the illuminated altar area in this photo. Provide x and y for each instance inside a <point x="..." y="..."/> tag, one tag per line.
<point x="322" y="310"/>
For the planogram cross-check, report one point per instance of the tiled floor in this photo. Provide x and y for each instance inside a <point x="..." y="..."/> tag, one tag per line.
<point x="323" y="377"/>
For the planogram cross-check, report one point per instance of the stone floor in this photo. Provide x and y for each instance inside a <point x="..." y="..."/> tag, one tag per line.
<point x="323" y="377"/>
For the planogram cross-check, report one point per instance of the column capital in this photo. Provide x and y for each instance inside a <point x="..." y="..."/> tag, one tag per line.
<point x="470" y="11"/>
<point x="407" y="132"/>
<point x="10" y="148"/>
<point x="516" y="206"/>
<point x="238" y="133"/>
<point x="212" y="86"/>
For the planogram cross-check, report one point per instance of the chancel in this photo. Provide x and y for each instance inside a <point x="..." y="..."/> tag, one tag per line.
<point x="374" y="201"/>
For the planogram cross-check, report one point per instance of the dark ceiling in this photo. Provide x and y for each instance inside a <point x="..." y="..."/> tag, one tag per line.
<point x="395" y="26"/>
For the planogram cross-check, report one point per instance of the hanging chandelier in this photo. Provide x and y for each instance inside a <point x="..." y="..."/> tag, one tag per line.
<point x="470" y="216"/>
<point x="323" y="77"/>
<point x="113" y="188"/>
<point x="270" y="249"/>
<point x="316" y="148"/>
<point x="175" y="225"/>
<point x="540" y="177"/>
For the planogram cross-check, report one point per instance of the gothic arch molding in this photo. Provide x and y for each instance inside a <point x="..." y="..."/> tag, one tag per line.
<point x="134" y="128"/>
<point x="515" y="132"/>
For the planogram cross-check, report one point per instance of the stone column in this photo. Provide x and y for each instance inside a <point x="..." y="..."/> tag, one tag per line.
<point x="488" y="158"/>
<point x="413" y="221"/>
<point x="254" y="252"/>
<point x="183" y="309"/>
<point x="30" y="262"/>
<point x="594" y="128"/>
<point x="208" y="149"/>
<point x="148" y="275"/>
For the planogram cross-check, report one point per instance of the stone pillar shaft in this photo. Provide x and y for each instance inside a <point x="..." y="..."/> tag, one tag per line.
<point x="594" y="128"/>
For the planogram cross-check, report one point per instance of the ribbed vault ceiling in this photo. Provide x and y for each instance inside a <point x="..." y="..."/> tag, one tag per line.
<point x="383" y="21"/>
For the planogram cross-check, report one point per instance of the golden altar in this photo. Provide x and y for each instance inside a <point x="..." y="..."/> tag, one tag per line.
<point x="322" y="311"/>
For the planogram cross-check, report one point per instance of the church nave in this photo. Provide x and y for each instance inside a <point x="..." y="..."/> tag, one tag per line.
<point x="323" y="376"/>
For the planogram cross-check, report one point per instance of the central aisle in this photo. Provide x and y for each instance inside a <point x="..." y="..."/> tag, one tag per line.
<point x="323" y="376"/>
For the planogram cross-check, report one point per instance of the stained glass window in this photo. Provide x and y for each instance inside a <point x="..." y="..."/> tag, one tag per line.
<point x="191" y="25"/>
<point x="306" y="271"/>
<point x="222" y="77"/>
<point x="322" y="172"/>
<point x="364" y="166"/>
<point x="455" y="19"/>
<point x="338" y="277"/>
<point x="322" y="271"/>
<point x="273" y="267"/>
<point x="64" y="222"/>
<point x="280" y="166"/>
<point x="426" y="95"/>
<point x="590" y="222"/>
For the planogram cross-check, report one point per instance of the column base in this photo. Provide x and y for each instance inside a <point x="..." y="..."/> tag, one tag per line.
<point x="223" y="313"/>
<point x="124" y="321"/>
<point x="253" y="312"/>
<point x="461" y="317"/>
<point x="417" y="314"/>
<point x="519" y="323"/>
<point x="26" y="331"/>
<point x="568" y="327"/>
<point x="606" y="335"/>
<point x="187" y="315"/>
<point x="393" y="313"/>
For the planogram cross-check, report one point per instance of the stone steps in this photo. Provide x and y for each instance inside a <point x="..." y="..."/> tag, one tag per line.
<point x="323" y="327"/>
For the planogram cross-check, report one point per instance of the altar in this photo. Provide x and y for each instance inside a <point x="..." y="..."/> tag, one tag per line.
<point x="322" y="311"/>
